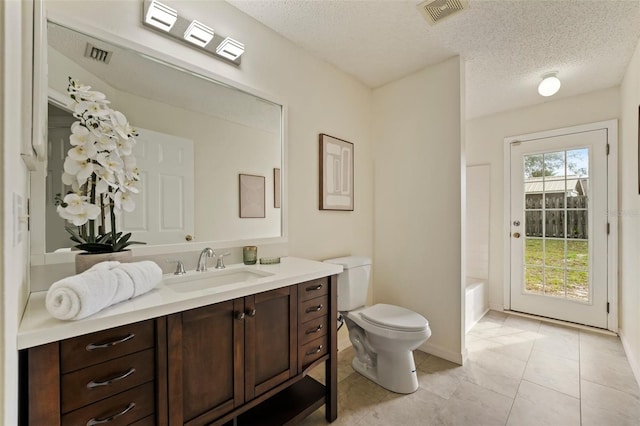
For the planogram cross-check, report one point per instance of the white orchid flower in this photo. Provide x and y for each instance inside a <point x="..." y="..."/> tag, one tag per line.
<point x="120" y="124"/>
<point x="78" y="209"/>
<point x="124" y="201"/>
<point x="110" y="161"/>
<point x="131" y="186"/>
<point x="82" y="170"/>
<point x="83" y="152"/>
<point x="79" y="134"/>
<point x="125" y="147"/>
<point x="106" y="143"/>
<point x="68" y="179"/>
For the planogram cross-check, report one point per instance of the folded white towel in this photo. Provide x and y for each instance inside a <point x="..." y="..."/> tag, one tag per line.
<point x="102" y="285"/>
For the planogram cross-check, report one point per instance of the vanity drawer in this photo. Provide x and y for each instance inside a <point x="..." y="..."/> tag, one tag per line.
<point x="312" y="289"/>
<point x="311" y="330"/>
<point x="313" y="308"/>
<point x="123" y="409"/>
<point x="312" y="350"/>
<point x="83" y="387"/>
<point x="94" y="348"/>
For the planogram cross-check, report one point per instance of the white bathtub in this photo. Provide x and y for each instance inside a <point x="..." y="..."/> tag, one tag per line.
<point x="476" y="301"/>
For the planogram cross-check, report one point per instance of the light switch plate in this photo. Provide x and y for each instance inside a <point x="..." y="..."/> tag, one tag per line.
<point x="18" y="214"/>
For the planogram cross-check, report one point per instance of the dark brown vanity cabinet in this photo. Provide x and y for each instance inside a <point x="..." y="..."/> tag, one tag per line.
<point x="221" y="356"/>
<point x="238" y="362"/>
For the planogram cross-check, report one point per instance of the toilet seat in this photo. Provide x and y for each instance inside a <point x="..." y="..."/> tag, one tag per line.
<point x="394" y="318"/>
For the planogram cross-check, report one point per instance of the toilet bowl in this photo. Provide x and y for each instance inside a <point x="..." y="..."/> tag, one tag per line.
<point x="383" y="336"/>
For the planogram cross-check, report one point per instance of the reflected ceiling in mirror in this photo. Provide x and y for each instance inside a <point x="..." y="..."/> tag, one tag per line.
<point x="196" y="136"/>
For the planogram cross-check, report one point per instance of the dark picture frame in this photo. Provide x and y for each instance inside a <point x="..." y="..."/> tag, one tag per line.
<point x="251" y="196"/>
<point x="276" y="188"/>
<point x="336" y="190"/>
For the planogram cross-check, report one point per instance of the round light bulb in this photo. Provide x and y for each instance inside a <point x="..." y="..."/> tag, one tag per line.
<point x="549" y="85"/>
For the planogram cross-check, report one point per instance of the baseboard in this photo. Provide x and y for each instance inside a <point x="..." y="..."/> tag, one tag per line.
<point x="440" y="352"/>
<point x="633" y="360"/>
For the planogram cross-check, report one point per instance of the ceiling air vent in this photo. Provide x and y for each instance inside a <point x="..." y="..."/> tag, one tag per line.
<point x="435" y="11"/>
<point x="98" y="54"/>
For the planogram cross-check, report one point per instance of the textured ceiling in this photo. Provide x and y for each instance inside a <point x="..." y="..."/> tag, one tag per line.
<point x="507" y="44"/>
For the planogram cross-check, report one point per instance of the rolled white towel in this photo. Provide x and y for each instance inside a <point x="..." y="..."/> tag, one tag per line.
<point x="79" y="296"/>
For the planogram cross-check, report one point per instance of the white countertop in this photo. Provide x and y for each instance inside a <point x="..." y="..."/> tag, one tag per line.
<point x="39" y="327"/>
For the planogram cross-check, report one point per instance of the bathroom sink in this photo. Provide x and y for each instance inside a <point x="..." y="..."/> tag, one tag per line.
<point x="195" y="281"/>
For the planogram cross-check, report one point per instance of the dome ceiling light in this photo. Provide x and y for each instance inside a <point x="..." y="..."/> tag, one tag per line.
<point x="550" y="84"/>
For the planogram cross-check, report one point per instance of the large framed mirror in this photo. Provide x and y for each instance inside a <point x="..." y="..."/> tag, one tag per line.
<point x="197" y="135"/>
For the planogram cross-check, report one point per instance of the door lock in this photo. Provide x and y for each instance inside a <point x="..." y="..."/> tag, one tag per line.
<point x="516" y="223"/>
<point x="516" y="235"/>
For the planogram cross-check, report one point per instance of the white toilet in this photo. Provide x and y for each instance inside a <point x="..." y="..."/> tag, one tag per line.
<point x="383" y="336"/>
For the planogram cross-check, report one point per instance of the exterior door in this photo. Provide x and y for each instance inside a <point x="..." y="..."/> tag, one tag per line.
<point x="559" y="227"/>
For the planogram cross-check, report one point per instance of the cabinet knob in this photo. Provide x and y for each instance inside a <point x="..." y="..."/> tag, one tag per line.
<point x="315" y="351"/>
<point x="251" y="312"/>
<point x="239" y="315"/>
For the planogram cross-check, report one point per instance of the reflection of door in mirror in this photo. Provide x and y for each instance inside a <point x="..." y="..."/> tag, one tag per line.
<point x="165" y="204"/>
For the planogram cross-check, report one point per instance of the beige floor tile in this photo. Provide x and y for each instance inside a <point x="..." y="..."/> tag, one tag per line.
<point x="358" y="395"/>
<point x="522" y="323"/>
<point x="494" y="371"/>
<point x="609" y="369"/>
<point x="603" y="406"/>
<point x="558" y="341"/>
<point x="517" y="345"/>
<point x="554" y="372"/>
<point x="419" y="408"/>
<point x="539" y="406"/>
<point x="593" y="342"/>
<point x="473" y="405"/>
<point x="439" y="376"/>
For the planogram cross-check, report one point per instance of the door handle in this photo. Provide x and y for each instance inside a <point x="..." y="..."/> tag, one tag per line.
<point x="516" y="235"/>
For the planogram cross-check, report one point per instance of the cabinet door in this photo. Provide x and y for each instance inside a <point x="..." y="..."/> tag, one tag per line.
<point x="205" y="362"/>
<point x="270" y="340"/>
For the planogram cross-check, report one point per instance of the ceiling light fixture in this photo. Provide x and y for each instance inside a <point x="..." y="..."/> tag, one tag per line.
<point x="160" y="16"/>
<point x="550" y="84"/>
<point x="230" y="49"/>
<point x="190" y="32"/>
<point x="198" y="33"/>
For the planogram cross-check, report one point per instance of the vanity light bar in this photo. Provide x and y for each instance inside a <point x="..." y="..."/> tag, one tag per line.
<point x="166" y="21"/>
<point x="198" y="34"/>
<point x="230" y="48"/>
<point x="161" y="16"/>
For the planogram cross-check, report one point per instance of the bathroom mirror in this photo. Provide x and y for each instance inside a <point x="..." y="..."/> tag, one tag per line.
<point x="196" y="136"/>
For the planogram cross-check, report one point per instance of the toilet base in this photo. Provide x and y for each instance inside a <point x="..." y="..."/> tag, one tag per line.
<point x="394" y="371"/>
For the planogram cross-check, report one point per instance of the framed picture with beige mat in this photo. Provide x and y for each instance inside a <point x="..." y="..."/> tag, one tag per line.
<point x="336" y="173"/>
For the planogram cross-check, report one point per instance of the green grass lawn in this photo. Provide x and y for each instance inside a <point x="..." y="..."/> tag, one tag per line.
<point x="552" y="264"/>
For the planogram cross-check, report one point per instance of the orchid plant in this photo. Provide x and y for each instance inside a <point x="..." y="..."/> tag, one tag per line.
<point x="101" y="171"/>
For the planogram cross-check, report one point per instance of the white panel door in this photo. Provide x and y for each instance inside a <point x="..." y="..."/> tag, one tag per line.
<point x="559" y="227"/>
<point x="164" y="212"/>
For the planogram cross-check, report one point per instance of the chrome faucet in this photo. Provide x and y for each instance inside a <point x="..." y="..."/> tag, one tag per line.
<point x="202" y="260"/>
<point x="220" y="260"/>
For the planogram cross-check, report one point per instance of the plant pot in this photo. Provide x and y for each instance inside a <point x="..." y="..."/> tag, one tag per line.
<point x="85" y="261"/>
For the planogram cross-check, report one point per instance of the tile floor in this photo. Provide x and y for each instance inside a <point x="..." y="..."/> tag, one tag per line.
<point x="519" y="372"/>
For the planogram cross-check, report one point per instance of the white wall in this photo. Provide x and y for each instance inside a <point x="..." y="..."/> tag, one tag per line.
<point x="319" y="98"/>
<point x="417" y="126"/>
<point x="15" y="47"/>
<point x="485" y="141"/>
<point x="629" y="214"/>
<point x="478" y="193"/>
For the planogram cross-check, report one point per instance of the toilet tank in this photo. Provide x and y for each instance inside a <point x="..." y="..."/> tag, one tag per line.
<point x="353" y="282"/>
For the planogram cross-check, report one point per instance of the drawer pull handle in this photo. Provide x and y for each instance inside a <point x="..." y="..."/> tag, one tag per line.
<point x="315" y="351"/>
<point x="316" y="288"/>
<point x="106" y="382"/>
<point x="239" y="316"/>
<point x="112" y="417"/>
<point x="314" y="330"/>
<point x="251" y="313"/>
<point x="315" y="308"/>
<point x="94" y="346"/>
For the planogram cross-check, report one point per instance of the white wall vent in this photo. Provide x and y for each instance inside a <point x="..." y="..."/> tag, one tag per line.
<point x="98" y="54"/>
<point x="435" y="11"/>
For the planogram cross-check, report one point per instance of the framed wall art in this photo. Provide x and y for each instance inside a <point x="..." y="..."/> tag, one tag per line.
<point x="252" y="202"/>
<point x="336" y="173"/>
